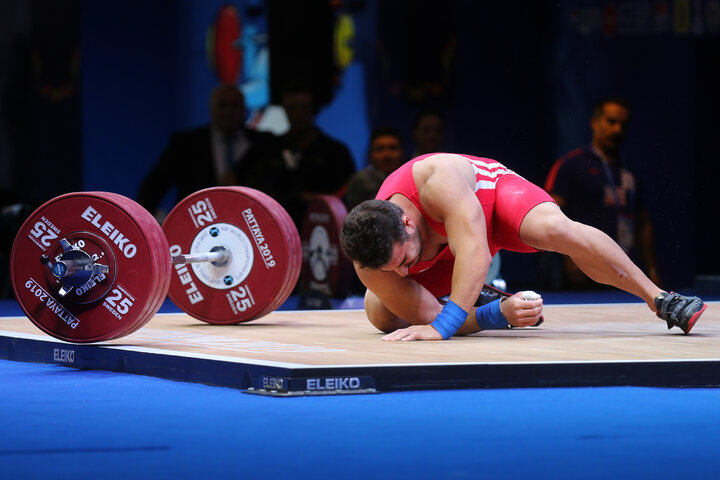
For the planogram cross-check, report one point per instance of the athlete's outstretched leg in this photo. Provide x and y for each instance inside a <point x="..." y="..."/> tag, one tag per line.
<point x="545" y="227"/>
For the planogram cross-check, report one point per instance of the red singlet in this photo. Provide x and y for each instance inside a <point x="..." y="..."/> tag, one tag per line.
<point x="505" y="197"/>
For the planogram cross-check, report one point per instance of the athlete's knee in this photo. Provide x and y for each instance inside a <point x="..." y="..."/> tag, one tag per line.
<point x="388" y="325"/>
<point x="386" y="322"/>
<point x="379" y="315"/>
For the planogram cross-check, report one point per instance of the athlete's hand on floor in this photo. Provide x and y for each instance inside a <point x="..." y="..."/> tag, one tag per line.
<point x="521" y="313"/>
<point x="414" y="332"/>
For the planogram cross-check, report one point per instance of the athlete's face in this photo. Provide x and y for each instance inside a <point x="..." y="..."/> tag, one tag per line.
<point x="610" y="127"/>
<point x="405" y="255"/>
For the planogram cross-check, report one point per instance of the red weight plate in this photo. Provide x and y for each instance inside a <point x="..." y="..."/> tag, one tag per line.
<point x="296" y="247"/>
<point x="293" y="244"/>
<point x="295" y="251"/>
<point x="264" y="254"/>
<point x="158" y="278"/>
<point x="109" y="305"/>
<point x="325" y="268"/>
<point x="156" y="242"/>
<point x="158" y="252"/>
<point x="141" y="217"/>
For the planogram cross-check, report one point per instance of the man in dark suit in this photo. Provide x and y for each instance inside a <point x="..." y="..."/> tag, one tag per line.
<point x="206" y="156"/>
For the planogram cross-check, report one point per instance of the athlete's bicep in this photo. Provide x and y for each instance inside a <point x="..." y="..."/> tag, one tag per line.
<point x="449" y="197"/>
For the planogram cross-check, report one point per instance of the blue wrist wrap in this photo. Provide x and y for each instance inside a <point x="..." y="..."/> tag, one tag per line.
<point x="449" y="320"/>
<point x="489" y="317"/>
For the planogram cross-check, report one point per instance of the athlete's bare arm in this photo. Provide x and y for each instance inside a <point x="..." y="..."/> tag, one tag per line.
<point x="446" y="186"/>
<point x="446" y="189"/>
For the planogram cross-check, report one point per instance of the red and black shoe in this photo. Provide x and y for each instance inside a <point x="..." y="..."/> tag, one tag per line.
<point x="490" y="294"/>
<point x="678" y="310"/>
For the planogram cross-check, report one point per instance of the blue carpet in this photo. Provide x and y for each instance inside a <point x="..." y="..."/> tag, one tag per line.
<point x="64" y="423"/>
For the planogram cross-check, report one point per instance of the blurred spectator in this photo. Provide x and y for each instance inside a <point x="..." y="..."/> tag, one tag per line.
<point x="385" y="154"/>
<point x="303" y="162"/>
<point x="592" y="186"/>
<point x="205" y="156"/>
<point x="428" y="133"/>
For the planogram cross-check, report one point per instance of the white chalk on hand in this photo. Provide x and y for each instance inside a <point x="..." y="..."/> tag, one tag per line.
<point x="530" y="295"/>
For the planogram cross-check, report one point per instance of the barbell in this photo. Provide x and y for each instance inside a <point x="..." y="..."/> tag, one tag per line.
<point x="95" y="266"/>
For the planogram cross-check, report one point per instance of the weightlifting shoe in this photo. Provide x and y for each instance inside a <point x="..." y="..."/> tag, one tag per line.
<point x="678" y="310"/>
<point x="490" y="294"/>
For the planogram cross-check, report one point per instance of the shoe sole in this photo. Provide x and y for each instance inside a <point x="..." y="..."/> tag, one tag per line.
<point x="694" y="319"/>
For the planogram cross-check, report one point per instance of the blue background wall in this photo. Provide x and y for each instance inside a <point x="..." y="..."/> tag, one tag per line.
<point x="515" y="81"/>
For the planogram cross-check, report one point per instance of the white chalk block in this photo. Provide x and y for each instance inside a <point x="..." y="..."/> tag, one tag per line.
<point x="530" y="295"/>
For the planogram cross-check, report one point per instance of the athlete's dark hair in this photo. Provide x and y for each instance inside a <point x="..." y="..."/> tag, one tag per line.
<point x="369" y="232"/>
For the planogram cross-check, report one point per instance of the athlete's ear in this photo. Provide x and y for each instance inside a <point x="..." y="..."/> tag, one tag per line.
<point x="408" y="223"/>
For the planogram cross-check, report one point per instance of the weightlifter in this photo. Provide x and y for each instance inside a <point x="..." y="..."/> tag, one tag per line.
<point x="433" y="229"/>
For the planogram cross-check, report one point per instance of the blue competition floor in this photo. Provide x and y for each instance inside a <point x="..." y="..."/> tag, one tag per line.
<point x="62" y="423"/>
<point x="59" y="423"/>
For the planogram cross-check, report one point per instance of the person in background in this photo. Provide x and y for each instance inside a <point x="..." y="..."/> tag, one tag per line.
<point x="206" y="156"/>
<point x="593" y="186"/>
<point x="303" y="162"/>
<point x="385" y="155"/>
<point x="428" y="133"/>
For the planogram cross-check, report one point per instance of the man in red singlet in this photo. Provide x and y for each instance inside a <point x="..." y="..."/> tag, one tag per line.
<point x="433" y="229"/>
